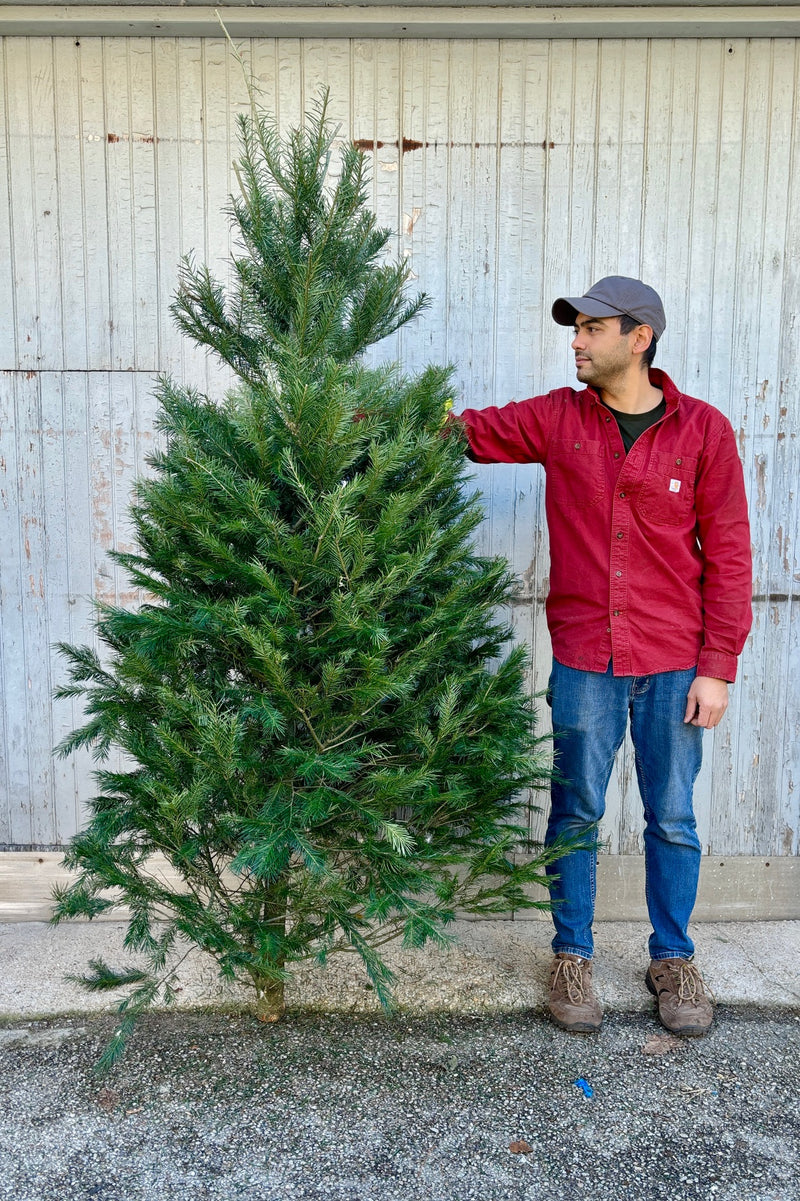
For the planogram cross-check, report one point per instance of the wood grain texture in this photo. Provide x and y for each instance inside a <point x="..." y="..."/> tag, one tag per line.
<point x="511" y="172"/>
<point x="743" y="888"/>
<point x="381" y="20"/>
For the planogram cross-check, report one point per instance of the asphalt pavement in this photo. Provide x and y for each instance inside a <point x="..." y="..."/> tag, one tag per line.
<point x="434" y="1108"/>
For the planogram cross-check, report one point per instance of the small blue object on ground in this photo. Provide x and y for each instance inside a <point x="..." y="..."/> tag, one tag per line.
<point x="584" y="1086"/>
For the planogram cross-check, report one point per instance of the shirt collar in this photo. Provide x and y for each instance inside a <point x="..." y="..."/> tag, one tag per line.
<point x="659" y="379"/>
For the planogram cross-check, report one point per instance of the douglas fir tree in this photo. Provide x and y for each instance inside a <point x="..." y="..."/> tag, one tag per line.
<point x="319" y="737"/>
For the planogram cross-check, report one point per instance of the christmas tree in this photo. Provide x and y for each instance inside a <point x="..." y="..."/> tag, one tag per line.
<point x="321" y="733"/>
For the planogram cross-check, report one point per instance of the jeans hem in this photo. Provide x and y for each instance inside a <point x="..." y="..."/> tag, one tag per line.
<point x="671" y="955"/>
<point x="584" y="954"/>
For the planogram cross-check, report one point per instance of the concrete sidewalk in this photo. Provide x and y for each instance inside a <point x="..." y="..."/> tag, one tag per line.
<point x="495" y="967"/>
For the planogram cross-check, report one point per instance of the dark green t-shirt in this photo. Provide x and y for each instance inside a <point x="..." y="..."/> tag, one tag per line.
<point x="631" y="425"/>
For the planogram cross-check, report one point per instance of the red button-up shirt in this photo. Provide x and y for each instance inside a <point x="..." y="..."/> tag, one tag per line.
<point x="650" y="551"/>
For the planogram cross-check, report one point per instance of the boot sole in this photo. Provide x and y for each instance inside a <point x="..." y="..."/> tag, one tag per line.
<point x="678" y="1031"/>
<point x="576" y="1027"/>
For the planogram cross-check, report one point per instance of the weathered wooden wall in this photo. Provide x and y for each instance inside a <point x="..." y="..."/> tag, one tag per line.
<point x="514" y="171"/>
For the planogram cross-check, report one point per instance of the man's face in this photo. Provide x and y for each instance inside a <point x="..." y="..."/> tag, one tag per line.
<point x="602" y="353"/>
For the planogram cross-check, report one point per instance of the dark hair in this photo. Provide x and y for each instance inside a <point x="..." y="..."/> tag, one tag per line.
<point x="627" y="325"/>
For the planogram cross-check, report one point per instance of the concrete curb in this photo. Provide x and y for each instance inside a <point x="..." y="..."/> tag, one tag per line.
<point x="495" y="967"/>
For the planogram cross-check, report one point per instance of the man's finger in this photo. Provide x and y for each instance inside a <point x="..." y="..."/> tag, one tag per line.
<point x="704" y="716"/>
<point x="708" y="717"/>
<point x="691" y="708"/>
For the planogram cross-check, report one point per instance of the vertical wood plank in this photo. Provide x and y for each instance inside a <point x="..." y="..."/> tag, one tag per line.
<point x="633" y="110"/>
<point x="699" y="360"/>
<point x="193" y="221"/>
<point x="22" y="197"/>
<point x="102" y="518"/>
<point x="58" y="484"/>
<point x="219" y="127"/>
<point x="785" y="664"/>
<point x="611" y="219"/>
<point x="16" y="584"/>
<point x="415" y="338"/>
<point x="49" y="313"/>
<point x="144" y="257"/>
<point x="34" y="778"/>
<point x="72" y="621"/>
<point x="120" y="183"/>
<point x="94" y="226"/>
<point x="68" y="210"/>
<point x="552" y="361"/>
<point x="12" y="650"/>
<point x="168" y="210"/>
<point x="291" y="83"/>
<point x="8" y="317"/>
<point x="430" y="232"/>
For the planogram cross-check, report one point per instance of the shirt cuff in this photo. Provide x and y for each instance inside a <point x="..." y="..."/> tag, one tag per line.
<point x="717" y="664"/>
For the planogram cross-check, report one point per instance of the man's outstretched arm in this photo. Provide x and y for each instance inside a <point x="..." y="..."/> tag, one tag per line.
<point x="518" y="432"/>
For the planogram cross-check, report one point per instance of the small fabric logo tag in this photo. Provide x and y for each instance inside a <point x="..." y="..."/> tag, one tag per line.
<point x="674" y="485"/>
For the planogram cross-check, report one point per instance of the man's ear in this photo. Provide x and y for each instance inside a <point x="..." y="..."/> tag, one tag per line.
<point x="643" y="338"/>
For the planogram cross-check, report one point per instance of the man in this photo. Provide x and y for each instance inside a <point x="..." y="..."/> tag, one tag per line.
<point x="649" y="607"/>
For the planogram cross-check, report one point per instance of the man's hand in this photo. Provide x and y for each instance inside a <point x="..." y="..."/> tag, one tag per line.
<point x="706" y="702"/>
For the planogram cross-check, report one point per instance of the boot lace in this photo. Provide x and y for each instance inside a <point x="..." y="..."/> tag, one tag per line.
<point x="569" y="976"/>
<point x="689" y="984"/>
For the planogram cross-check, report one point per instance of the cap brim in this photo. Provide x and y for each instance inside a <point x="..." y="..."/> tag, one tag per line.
<point x="566" y="309"/>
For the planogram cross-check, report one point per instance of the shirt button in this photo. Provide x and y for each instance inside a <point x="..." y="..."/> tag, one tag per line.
<point x="678" y="462"/>
<point x="620" y="534"/>
<point x="617" y="573"/>
<point x="622" y="495"/>
<point x="608" y="418"/>
<point x="577" y="445"/>
<point x="616" y="454"/>
<point x="608" y="629"/>
<point x="616" y="612"/>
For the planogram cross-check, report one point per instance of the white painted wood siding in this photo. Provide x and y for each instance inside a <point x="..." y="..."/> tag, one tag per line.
<point x="514" y="172"/>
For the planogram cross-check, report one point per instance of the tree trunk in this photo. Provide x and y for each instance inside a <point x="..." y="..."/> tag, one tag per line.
<point x="270" y="1004"/>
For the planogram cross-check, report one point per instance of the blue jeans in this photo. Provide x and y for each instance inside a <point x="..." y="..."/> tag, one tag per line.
<point x="590" y="714"/>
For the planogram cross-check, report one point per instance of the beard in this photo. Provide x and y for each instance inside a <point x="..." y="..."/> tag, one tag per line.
<point x="605" y="372"/>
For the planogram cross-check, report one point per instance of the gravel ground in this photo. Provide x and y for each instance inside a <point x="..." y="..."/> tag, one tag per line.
<point x="423" y="1109"/>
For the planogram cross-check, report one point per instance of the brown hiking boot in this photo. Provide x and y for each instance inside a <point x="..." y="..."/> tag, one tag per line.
<point x="684" y="1002"/>
<point x="573" y="1005"/>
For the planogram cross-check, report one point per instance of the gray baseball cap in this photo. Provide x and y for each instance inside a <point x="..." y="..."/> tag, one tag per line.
<point x="615" y="296"/>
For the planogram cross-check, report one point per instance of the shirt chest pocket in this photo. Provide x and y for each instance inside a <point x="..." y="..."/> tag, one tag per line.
<point x="576" y="475"/>
<point x="667" y="495"/>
